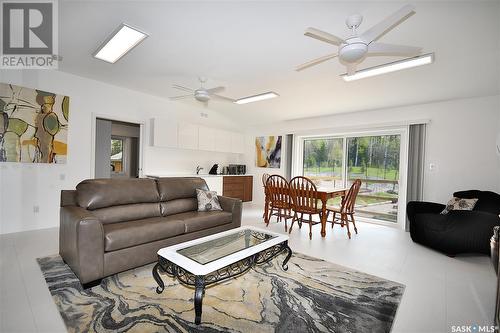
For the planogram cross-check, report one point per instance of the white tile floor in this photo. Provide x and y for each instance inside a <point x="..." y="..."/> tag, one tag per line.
<point x="440" y="291"/>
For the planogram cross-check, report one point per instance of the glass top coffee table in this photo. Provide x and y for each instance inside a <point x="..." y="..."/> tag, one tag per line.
<point x="217" y="257"/>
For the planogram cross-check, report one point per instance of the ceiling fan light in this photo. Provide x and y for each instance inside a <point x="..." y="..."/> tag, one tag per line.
<point x="353" y="52"/>
<point x="202" y="95"/>
<point x="256" y="98"/>
<point x="390" y="67"/>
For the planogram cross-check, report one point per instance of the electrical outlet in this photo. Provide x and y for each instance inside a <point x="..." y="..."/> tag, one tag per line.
<point x="432" y="167"/>
<point x="36" y="209"/>
<point x="62" y="176"/>
<point x="204" y="115"/>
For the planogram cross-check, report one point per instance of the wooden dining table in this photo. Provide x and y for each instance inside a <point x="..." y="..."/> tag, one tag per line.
<point x="323" y="194"/>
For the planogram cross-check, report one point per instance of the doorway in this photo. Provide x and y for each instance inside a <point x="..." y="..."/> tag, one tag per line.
<point x="117" y="149"/>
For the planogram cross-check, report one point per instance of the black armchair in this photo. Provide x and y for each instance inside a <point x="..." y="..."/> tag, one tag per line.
<point x="458" y="231"/>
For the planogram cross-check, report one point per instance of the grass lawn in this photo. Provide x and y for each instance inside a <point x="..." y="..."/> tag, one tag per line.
<point x="376" y="173"/>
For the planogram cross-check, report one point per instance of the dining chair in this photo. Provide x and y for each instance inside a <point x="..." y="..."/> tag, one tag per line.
<point x="346" y="209"/>
<point x="265" y="177"/>
<point x="304" y="201"/>
<point x="280" y="203"/>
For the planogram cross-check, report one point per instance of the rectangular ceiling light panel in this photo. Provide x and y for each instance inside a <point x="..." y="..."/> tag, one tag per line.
<point x="256" y="98"/>
<point x="121" y="41"/>
<point x="391" y="67"/>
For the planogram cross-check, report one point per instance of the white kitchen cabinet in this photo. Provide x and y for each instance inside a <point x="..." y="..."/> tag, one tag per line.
<point x="206" y="138"/>
<point x="222" y="141"/>
<point x="164" y="132"/>
<point x="170" y="133"/>
<point x="237" y="143"/>
<point x="187" y="135"/>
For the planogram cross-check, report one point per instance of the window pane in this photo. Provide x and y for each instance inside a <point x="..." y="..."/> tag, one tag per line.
<point x="323" y="161"/>
<point x="375" y="160"/>
<point x="116" y="155"/>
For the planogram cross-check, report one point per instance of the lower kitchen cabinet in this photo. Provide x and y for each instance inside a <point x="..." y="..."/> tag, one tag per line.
<point x="238" y="187"/>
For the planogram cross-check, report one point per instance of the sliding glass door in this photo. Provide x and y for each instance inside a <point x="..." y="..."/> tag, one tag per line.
<point x="336" y="161"/>
<point x="375" y="160"/>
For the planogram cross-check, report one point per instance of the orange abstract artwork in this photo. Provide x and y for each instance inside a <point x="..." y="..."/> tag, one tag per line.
<point x="268" y="151"/>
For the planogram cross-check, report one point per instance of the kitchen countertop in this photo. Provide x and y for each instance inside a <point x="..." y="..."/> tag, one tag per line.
<point x="158" y="175"/>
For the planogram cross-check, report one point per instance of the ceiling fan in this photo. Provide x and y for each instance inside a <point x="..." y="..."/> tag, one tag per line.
<point x="201" y="94"/>
<point x="354" y="49"/>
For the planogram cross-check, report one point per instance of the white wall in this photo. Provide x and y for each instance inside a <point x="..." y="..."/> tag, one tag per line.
<point x="460" y="141"/>
<point x="23" y="186"/>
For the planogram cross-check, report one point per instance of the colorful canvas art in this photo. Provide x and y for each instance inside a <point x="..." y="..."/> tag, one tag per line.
<point x="268" y="151"/>
<point x="33" y="125"/>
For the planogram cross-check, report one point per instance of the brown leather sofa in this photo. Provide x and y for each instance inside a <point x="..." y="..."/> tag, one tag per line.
<point x="112" y="225"/>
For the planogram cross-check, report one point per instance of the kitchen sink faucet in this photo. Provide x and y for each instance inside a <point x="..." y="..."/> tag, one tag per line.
<point x="198" y="169"/>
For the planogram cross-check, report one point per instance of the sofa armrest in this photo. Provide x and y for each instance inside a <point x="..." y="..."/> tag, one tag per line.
<point x="423" y="207"/>
<point x="81" y="243"/>
<point x="233" y="206"/>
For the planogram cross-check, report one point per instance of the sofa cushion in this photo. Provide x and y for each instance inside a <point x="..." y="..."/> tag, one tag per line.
<point x="177" y="206"/>
<point x="207" y="201"/>
<point x="126" y="234"/>
<point x="459" y="204"/>
<point x="171" y="188"/>
<point x="195" y="221"/>
<point x="100" y="193"/>
<point x="130" y="212"/>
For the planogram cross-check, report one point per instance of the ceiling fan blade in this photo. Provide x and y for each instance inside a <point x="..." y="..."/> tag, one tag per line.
<point x="215" y="90"/>
<point x="315" y="61"/>
<point x="389" y="23"/>
<point x="323" y="36"/>
<point x="174" y="98"/>
<point x="382" y="49"/>
<point x="223" y="98"/>
<point x="176" y="86"/>
<point x="351" y="68"/>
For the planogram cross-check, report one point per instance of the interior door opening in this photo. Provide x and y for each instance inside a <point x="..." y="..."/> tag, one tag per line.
<point x="117" y="149"/>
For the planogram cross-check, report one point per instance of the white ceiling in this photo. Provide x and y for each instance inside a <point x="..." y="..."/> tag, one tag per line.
<point x="252" y="47"/>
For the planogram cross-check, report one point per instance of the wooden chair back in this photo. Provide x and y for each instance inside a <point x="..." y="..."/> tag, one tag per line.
<point x="278" y="190"/>
<point x="265" y="177"/>
<point x="350" y="198"/>
<point x="304" y="195"/>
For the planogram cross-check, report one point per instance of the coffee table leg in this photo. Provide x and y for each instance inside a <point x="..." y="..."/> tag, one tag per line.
<point x="198" y="298"/>
<point x="156" y="276"/>
<point x="284" y="265"/>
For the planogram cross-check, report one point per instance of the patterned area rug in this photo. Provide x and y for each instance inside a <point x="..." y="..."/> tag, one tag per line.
<point x="312" y="296"/>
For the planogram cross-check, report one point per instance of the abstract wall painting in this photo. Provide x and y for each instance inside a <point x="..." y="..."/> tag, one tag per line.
<point x="268" y="151"/>
<point x="33" y="125"/>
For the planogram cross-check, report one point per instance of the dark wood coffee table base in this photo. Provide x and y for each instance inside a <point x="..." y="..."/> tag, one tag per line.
<point x="201" y="281"/>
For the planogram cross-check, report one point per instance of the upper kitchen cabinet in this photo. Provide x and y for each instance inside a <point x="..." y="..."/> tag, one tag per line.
<point x="206" y="138"/>
<point x="164" y="132"/>
<point x="187" y="135"/>
<point x="222" y="141"/>
<point x="170" y="133"/>
<point x="237" y="143"/>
